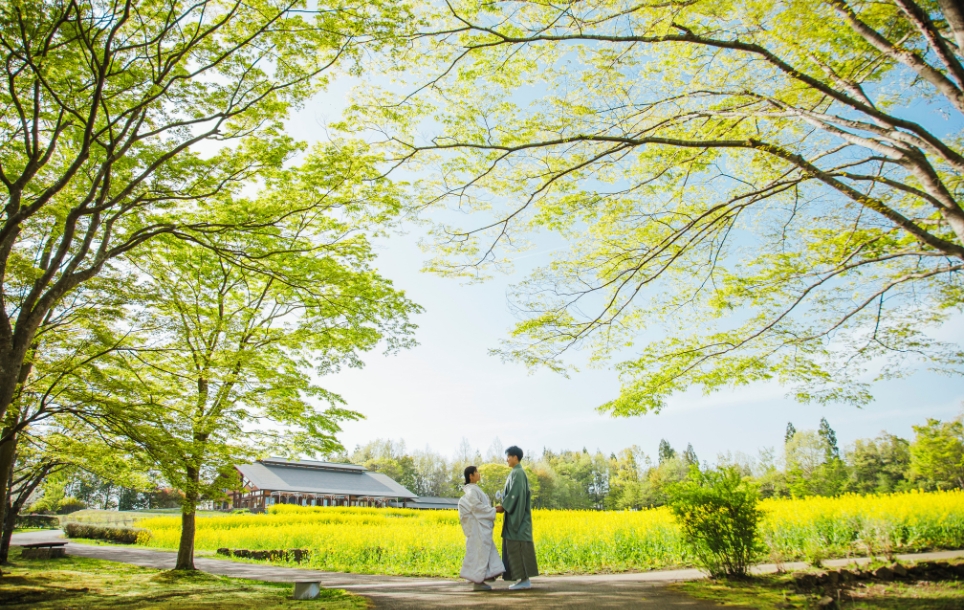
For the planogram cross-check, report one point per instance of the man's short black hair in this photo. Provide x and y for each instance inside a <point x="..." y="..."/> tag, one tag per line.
<point x="513" y="450"/>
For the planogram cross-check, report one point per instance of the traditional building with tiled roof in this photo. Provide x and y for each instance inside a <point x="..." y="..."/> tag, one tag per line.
<point x="309" y="483"/>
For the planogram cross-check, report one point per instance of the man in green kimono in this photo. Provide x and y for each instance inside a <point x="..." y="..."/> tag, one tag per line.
<point x="518" y="550"/>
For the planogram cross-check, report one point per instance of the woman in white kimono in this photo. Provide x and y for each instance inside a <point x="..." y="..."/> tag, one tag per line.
<point x="477" y="516"/>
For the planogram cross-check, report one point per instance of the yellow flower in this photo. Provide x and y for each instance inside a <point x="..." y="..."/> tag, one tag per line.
<point x="403" y="541"/>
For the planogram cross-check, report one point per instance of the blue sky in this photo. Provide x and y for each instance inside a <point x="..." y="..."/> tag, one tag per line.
<point x="449" y="388"/>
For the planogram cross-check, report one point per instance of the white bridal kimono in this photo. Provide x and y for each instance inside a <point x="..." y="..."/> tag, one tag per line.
<point x="477" y="517"/>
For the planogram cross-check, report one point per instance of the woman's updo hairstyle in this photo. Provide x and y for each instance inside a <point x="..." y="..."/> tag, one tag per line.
<point x="469" y="471"/>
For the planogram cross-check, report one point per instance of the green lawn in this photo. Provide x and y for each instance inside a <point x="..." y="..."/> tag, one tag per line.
<point x="776" y="592"/>
<point x="91" y="584"/>
<point x="126" y="518"/>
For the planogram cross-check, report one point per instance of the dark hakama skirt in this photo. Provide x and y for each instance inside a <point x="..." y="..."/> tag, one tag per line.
<point x="519" y="557"/>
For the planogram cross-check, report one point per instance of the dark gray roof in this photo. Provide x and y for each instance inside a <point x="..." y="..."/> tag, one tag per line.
<point x="321" y="478"/>
<point x="434" y="500"/>
<point x="313" y="464"/>
<point x="431" y="502"/>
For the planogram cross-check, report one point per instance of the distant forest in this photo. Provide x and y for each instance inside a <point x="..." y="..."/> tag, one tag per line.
<point x="810" y="463"/>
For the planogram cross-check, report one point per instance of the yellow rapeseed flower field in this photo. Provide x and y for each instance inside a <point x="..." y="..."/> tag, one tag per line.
<point x="397" y="541"/>
<point x="817" y="528"/>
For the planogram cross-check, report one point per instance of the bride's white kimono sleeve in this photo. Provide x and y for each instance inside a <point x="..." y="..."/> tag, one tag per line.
<point x="477" y="517"/>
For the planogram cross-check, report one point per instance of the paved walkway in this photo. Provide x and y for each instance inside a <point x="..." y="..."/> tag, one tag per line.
<point x="645" y="590"/>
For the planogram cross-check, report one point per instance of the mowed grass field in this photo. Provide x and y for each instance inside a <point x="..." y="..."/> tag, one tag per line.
<point x="78" y="583"/>
<point x="125" y="518"/>
<point x="393" y="541"/>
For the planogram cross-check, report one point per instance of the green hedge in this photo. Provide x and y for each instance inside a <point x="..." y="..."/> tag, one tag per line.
<point x="50" y="521"/>
<point x="124" y="535"/>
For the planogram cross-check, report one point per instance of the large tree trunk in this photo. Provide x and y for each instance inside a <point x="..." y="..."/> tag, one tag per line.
<point x="185" y="549"/>
<point x="15" y="505"/>
<point x="11" y="363"/>
<point x="17" y="498"/>
<point x="9" y="523"/>
<point x="8" y="449"/>
<point x="11" y="372"/>
<point x="108" y="490"/>
<point x="8" y="454"/>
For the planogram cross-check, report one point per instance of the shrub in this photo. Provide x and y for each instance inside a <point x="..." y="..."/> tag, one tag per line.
<point x="70" y="505"/>
<point x="718" y="514"/>
<point x="49" y="505"/>
<point x="38" y="521"/>
<point x="124" y="535"/>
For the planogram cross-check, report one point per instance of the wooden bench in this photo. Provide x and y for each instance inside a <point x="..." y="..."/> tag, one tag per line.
<point x="43" y="550"/>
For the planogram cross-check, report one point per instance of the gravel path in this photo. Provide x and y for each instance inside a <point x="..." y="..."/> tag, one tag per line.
<point x="645" y="590"/>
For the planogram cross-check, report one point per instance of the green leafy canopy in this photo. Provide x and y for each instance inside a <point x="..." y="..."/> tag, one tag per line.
<point x="219" y="354"/>
<point x="749" y="190"/>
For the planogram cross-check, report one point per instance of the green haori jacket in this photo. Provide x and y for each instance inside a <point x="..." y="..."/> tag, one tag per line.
<point x="517" y="502"/>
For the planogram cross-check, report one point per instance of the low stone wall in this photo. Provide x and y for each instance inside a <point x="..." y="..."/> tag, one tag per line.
<point x="831" y="581"/>
<point x="295" y="555"/>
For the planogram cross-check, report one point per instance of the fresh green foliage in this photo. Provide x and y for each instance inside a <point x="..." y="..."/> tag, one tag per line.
<point x="791" y="430"/>
<point x="102" y="107"/>
<point x="216" y="359"/>
<point x="937" y="454"/>
<point x="812" y="468"/>
<point x="689" y="456"/>
<point x="49" y="459"/>
<point x="38" y="521"/>
<point x="630" y="479"/>
<point x="666" y="451"/>
<point x="401" y="470"/>
<point x="733" y="191"/>
<point x="130" y="499"/>
<point x="123" y="122"/>
<point x="625" y="471"/>
<point x="879" y="465"/>
<point x="53" y="497"/>
<point x="418" y="473"/>
<point x="718" y="514"/>
<point x="493" y="478"/>
<point x="829" y="438"/>
<point x="69" y="505"/>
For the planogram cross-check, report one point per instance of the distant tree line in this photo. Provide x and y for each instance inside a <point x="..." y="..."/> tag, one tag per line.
<point x="810" y="463"/>
<point x="74" y="489"/>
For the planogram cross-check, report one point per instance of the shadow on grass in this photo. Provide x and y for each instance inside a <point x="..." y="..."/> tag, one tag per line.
<point x="777" y="592"/>
<point x="77" y="582"/>
<point x="910" y="596"/>
<point x="187" y="576"/>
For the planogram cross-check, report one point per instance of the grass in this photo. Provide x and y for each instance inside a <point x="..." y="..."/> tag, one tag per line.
<point x="91" y="584"/>
<point x="776" y="592"/>
<point x="127" y="518"/>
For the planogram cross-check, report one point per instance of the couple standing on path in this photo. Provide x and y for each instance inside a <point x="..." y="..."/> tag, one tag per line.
<point x="477" y="516"/>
